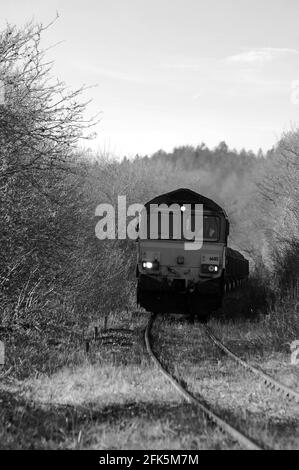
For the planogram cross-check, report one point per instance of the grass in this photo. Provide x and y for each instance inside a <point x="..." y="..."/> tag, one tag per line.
<point x="228" y="389"/>
<point x="264" y="331"/>
<point x="57" y="396"/>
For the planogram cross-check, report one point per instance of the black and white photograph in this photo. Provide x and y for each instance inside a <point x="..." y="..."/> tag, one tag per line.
<point x="149" y="230"/>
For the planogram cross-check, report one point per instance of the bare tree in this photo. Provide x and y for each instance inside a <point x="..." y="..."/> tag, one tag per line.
<point x="41" y="121"/>
<point x="41" y="124"/>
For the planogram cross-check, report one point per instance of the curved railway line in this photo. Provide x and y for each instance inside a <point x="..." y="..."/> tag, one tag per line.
<point x="234" y="433"/>
<point x="269" y="381"/>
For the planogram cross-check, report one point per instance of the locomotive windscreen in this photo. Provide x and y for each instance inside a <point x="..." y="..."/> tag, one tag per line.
<point x="175" y="226"/>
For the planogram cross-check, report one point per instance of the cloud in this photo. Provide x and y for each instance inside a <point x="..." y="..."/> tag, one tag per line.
<point x="182" y="66"/>
<point x="190" y="64"/>
<point x="114" y="74"/>
<point x="260" y="55"/>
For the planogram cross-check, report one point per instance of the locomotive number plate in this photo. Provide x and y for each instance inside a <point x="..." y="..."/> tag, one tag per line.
<point x="209" y="258"/>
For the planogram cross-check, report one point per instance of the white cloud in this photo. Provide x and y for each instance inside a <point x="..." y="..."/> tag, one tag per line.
<point x="182" y="66"/>
<point x="260" y="55"/>
<point x="189" y="64"/>
<point x="114" y="74"/>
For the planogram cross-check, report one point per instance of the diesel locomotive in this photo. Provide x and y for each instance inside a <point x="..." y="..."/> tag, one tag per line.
<point x="172" y="277"/>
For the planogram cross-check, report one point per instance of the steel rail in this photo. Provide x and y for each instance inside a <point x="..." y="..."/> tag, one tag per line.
<point x="269" y="381"/>
<point x="223" y="425"/>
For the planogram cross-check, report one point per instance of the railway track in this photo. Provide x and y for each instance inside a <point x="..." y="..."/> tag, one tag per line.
<point x="269" y="381"/>
<point x="234" y="433"/>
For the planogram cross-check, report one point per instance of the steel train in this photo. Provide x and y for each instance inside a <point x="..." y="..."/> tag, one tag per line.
<point x="172" y="279"/>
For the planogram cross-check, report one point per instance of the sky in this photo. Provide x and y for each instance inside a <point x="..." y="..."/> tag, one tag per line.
<point x="175" y="72"/>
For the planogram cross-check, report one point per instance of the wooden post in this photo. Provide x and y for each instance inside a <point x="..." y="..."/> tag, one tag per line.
<point x="96" y="331"/>
<point x="2" y="353"/>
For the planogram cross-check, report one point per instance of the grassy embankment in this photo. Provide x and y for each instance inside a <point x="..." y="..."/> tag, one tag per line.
<point x="57" y="396"/>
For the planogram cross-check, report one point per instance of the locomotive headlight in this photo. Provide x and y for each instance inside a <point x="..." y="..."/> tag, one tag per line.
<point x="147" y="264"/>
<point x="209" y="268"/>
<point x="151" y="265"/>
<point x="213" y="269"/>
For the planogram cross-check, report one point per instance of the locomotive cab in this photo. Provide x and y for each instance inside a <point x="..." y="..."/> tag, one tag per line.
<point x="175" y="273"/>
